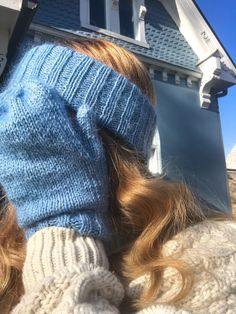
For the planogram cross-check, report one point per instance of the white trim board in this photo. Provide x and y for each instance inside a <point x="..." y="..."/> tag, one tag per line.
<point x="68" y="35"/>
<point x="115" y="35"/>
<point x="169" y="67"/>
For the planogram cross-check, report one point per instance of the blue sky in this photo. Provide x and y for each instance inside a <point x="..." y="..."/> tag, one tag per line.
<point x="222" y="17"/>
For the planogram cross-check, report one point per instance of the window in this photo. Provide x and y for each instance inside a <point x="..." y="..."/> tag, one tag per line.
<point x="118" y="18"/>
<point x="97" y="14"/>
<point x="126" y="18"/>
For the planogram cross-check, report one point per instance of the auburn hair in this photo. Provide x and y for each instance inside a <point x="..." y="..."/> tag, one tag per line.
<point x="155" y="208"/>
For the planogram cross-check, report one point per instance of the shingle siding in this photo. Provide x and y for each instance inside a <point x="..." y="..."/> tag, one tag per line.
<point x="162" y="34"/>
<point x="165" y="40"/>
<point x="62" y="14"/>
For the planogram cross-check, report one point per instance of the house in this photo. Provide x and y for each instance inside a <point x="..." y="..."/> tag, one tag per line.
<point x="189" y="67"/>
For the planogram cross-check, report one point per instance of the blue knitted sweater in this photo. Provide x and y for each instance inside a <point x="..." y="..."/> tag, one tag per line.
<point x="54" y="168"/>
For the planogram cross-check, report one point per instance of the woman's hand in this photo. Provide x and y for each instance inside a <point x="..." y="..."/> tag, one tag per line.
<point x="53" y="170"/>
<point x="52" y="167"/>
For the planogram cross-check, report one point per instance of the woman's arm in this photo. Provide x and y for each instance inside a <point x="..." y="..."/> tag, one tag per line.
<point x="67" y="273"/>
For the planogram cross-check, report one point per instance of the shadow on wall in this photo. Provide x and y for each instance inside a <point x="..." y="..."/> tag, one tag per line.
<point x="191" y="143"/>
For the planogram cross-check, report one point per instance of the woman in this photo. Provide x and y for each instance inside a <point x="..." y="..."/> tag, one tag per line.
<point x="75" y="137"/>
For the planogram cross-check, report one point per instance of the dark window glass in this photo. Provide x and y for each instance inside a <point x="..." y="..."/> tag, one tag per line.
<point x="126" y="18"/>
<point x="97" y="13"/>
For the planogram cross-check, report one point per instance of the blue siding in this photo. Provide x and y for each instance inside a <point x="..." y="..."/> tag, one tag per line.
<point x="62" y="14"/>
<point x="191" y="142"/>
<point x="166" y="42"/>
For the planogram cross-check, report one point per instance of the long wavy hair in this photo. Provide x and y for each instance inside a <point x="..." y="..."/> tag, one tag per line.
<point x="155" y="209"/>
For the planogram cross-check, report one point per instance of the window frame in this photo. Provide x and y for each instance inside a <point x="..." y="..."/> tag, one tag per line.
<point x="113" y="22"/>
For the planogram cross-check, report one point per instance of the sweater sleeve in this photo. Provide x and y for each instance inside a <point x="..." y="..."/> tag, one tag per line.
<point x="209" y="248"/>
<point x="67" y="273"/>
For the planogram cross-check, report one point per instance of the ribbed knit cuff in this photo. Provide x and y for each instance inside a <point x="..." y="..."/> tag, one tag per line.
<point x="50" y="250"/>
<point x="118" y="104"/>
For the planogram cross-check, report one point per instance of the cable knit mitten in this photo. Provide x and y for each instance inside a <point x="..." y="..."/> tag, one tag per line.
<point x="53" y="167"/>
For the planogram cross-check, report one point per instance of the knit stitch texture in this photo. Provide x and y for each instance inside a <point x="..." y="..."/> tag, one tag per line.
<point x="75" y="278"/>
<point x="53" y="167"/>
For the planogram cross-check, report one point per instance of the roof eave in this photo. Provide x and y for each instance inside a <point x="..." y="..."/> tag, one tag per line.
<point x="198" y="32"/>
